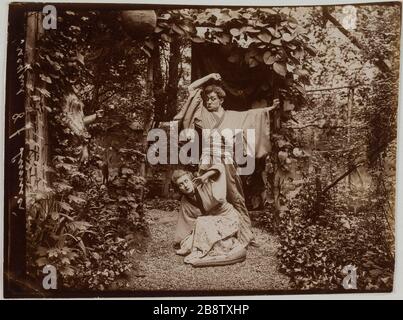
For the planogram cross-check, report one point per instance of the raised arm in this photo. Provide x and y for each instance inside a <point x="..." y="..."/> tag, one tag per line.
<point x="275" y="105"/>
<point x="90" y="119"/>
<point x="200" y="82"/>
<point x="93" y="117"/>
<point x="212" y="173"/>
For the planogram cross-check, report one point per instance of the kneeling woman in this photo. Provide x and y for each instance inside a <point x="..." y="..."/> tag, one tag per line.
<point x="213" y="239"/>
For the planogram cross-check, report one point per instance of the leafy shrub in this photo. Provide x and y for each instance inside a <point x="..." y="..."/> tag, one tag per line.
<point x="313" y="252"/>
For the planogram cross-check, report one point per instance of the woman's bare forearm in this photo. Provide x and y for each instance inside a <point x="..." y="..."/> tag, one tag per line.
<point x="209" y="174"/>
<point x="90" y="119"/>
<point x="198" y="83"/>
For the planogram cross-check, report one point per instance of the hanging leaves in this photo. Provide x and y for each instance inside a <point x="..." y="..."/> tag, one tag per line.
<point x="224" y="39"/>
<point x="288" y="106"/>
<point x="280" y="69"/>
<point x="287" y="37"/>
<point x="235" y="32"/>
<point x="253" y="62"/>
<point x="150" y="44"/>
<point x="276" y="42"/>
<point x="166" y="37"/>
<point x="178" y="30"/>
<point x="265" y="37"/>
<point x="310" y="50"/>
<point x="80" y="58"/>
<point x="198" y="40"/>
<point x="45" y="78"/>
<point x="269" y="11"/>
<point x="269" y="58"/>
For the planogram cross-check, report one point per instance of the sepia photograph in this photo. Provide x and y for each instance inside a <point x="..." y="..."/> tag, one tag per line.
<point x="192" y="150"/>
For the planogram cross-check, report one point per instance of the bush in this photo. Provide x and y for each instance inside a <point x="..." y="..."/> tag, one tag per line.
<point x="315" y="250"/>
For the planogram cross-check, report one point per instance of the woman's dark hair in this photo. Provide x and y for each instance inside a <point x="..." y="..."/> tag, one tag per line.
<point x="213" y="88"/>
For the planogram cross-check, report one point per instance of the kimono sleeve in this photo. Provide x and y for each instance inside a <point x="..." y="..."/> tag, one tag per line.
<point x="259" y="120"/>
<point x="214" y="191"/>
<point x="190" y="112"/>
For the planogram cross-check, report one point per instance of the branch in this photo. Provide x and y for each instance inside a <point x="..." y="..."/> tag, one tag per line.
<point x="331" y="88"/>
<point x="378" y="62"/>
<point x="353" y="167"/>
<point x="132" y="151"/>
<point x="335" y="150"/>
<point x="139" y="153"/>
<point x="323" y="127"/>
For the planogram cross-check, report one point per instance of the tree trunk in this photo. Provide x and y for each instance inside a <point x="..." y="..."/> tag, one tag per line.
<point x="171" y="94"/>
<point x="150" y="116"/>
<point x="173" y="80"/>
<point x="158" y="85"/>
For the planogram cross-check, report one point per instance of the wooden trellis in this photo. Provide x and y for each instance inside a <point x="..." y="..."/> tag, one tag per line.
<point x="361" y="174"/>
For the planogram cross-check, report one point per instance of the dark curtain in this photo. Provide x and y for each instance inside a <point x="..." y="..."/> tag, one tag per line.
<point x="243" y="85"/>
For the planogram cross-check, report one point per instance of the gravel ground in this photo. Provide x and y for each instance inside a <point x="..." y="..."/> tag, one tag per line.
<point x="159" y="268"/>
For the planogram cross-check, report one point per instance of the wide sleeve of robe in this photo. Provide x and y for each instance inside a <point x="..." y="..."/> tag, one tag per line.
<point x="188" y="214"/>
<point x="214" y="192"/>
<point x="191" y="111"/>
<point x="257" y="119"/>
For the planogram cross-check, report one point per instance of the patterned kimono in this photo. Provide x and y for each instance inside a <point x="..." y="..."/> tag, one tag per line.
<point x="195" y="115"/>
<point x="215" y="232"/>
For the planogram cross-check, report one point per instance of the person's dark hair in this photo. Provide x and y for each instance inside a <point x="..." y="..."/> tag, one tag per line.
<point x="213" y="88"/>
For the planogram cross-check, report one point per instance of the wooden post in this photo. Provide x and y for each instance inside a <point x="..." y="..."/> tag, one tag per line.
<point x="42" y="120"/>
<point x="317" y="206"/>
<point x="349" y="106"/>
<point x="15" y="155"/>
<point x="276" y="165"/>
<point x="349" y="110"/>
<point x="35" y="112"/>
<point x="30" y="41"/>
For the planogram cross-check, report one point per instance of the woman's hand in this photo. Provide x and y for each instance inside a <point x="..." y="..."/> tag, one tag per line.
<point x="276" y="104"/>
<point x="199" y="181"/>
<point x="215" y="76"/>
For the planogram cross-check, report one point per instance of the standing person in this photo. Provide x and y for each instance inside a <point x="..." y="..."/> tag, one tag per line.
<point x="204" y="110"/>
<point x="73" y="111"/>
